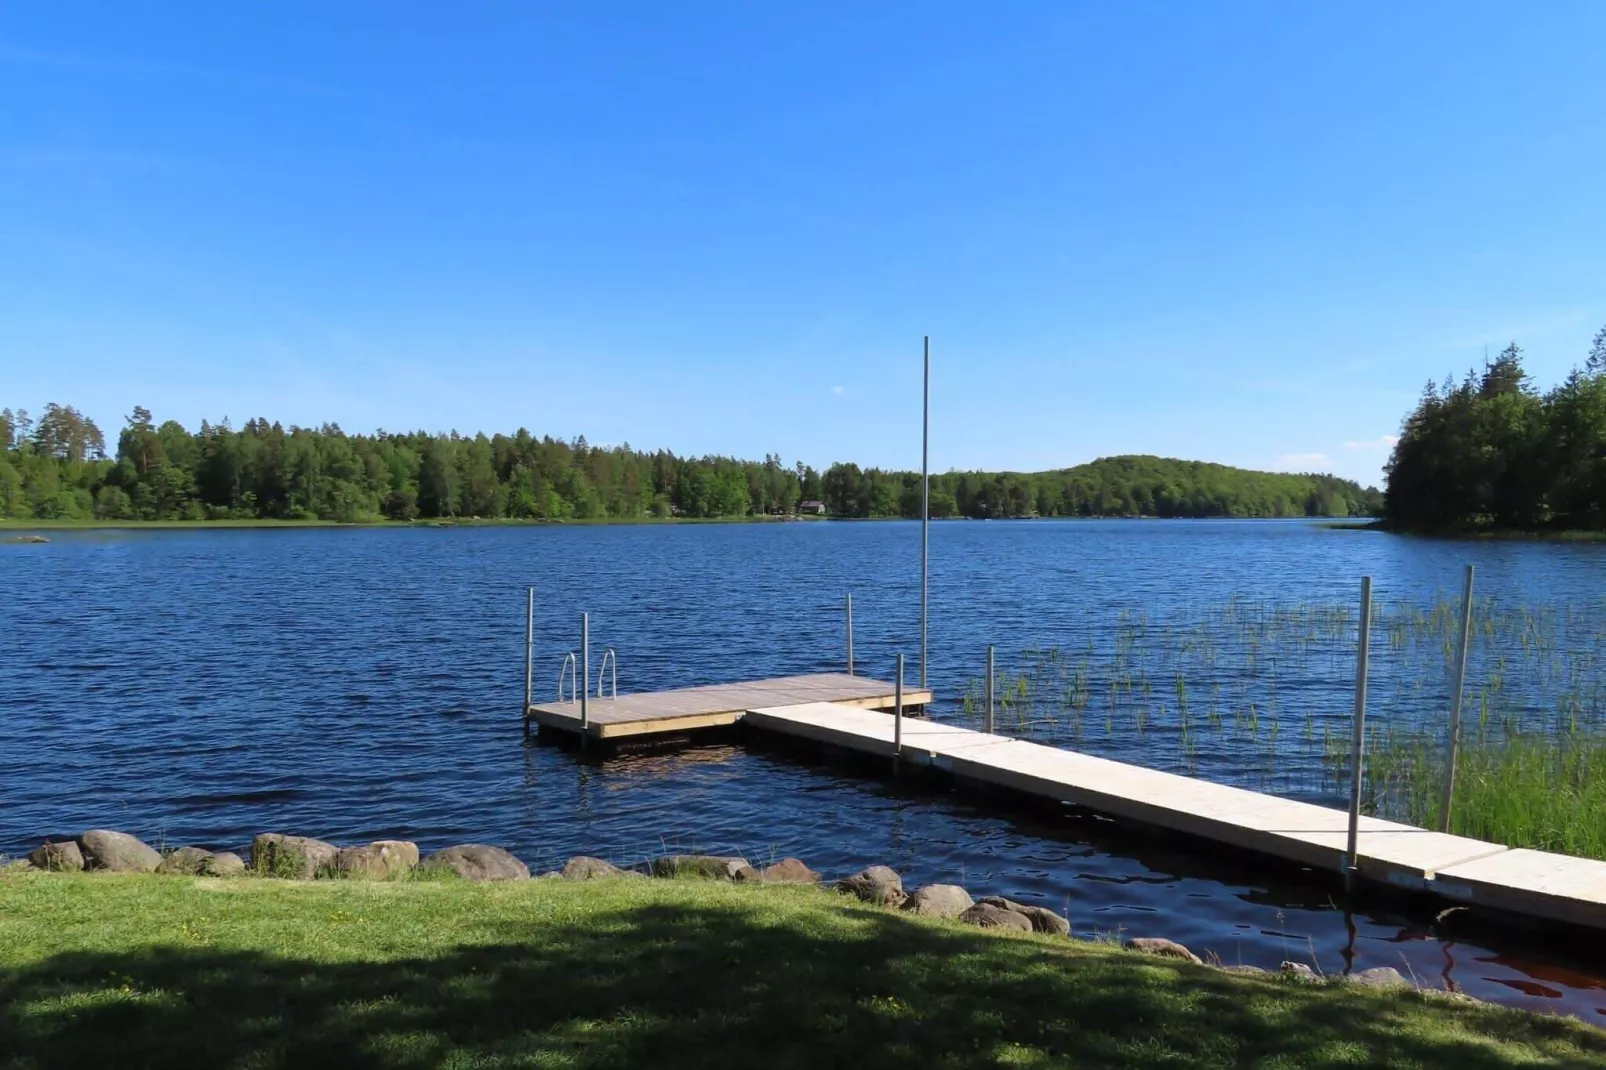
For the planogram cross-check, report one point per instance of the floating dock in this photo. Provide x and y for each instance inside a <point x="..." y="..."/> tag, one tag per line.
<point x="715" y="706"/>
<point x="842" y="711"/>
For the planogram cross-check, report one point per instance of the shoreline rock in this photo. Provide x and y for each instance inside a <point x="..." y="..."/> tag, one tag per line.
<point x="880" y="885"/>
<point x="57" y="857"/>
<point x="786" y="871"/>
<point x="939" y="901"/>
<point x="274" y="854"/>
<point x="478" y="862"/>
<point x="1159" y="945"/>
<point x="117" y="852"/>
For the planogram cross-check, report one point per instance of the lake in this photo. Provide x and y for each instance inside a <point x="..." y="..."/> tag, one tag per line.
<point x="200" y="686"/>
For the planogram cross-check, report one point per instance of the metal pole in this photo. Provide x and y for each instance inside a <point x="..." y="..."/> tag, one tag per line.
<point x="850" y="633"/>
<point x="897" y="716"/>
<point x="529" y="659"/>
<point x="989" y="690"/>
<point x="585" y="674"/>
<point x="1455" y="704"/>
<point x="925" y="508"/>
<point x="1358" y="743"/>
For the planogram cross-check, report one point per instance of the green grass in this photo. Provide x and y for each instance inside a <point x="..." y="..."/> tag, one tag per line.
<point x="145" y="971"/>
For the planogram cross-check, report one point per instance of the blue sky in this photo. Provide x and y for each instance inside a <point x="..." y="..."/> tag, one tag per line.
<point x="1238" y="232"/>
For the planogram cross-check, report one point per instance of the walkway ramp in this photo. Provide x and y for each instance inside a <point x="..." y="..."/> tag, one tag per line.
<point x="1296" y="831"/>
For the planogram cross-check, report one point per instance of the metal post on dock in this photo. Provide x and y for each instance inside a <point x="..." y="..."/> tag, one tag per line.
<point x="529" y="659"/>
<point x="925" y="507"/>
<point x="1455" y="705"/>
<point x="1358" y="743"/>
<point x="989" y="690"/>
<point x="850" y="633"/>
<point x="585" y="674"/>
<point x="897" y="716"/>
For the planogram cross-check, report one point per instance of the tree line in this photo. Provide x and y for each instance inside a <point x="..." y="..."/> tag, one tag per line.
<point x="1493" y="452"/>
<point x="59" y="467"/>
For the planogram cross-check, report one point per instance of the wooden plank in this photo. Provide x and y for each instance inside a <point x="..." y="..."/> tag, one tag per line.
<point x="1300" y="832"/>
<point x="1537" y="883"/>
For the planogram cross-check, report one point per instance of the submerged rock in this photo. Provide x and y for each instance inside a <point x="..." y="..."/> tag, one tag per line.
<point x="478" y="862"/>
<point x="714" y="867"/>
<point x="786" y="871"/>
<point x="381" y="860"/>
<point x="63" y="857"/>
<point x="880" y="885"/>
<point x="274" y="854"/>
<point x="118" y="852"/>
<point x="1159" y="945"/>
<point x="939" y="901"/>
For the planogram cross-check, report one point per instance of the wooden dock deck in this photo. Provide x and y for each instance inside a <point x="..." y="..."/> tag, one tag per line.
<point x="716" y="705"/>
<point x="1533" y="883"/>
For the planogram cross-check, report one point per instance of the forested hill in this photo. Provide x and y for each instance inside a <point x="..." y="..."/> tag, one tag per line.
<point x="60" y="467"/>
<point x="1493" y="453"/>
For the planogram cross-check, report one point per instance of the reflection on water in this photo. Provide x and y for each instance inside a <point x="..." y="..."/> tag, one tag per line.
<point x="205" y="686"/>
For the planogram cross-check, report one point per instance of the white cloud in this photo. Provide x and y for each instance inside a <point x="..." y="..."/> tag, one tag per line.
<point x="1381" y="442"/>
<point x="838" y="390"/>
<point x="1304" y="462"/>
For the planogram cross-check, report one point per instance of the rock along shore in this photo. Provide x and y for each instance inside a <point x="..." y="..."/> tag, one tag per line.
<point x="290" y="857"/>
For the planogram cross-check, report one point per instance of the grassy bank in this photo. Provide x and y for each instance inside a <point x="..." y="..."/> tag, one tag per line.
<point x="99" y="970"/>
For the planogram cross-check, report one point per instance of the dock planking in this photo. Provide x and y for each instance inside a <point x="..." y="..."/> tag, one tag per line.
<point x="1534" y="883"/>
<point x="716" y="705"/>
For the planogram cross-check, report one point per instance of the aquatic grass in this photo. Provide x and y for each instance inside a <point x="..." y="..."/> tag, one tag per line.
<point x="1260" y="694"/>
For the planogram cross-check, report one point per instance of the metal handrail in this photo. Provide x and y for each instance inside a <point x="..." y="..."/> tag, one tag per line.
<point x="610" y="660"/>
<point x="571" y="672"/>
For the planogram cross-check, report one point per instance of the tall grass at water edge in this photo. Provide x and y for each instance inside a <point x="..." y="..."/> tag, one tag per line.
<point x="1261" y="695"/>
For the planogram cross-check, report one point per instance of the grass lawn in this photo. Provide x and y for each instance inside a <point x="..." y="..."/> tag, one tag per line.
<point x="109" y="971"/>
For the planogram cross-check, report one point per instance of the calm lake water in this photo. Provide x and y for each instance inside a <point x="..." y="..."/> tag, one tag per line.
<point x="203" y="686"/>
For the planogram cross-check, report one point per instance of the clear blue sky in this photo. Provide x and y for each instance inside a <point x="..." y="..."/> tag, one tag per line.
<point x="1243" y="233"/>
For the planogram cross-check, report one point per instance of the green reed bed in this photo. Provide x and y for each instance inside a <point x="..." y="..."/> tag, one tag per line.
<point x="1261" y="695"/>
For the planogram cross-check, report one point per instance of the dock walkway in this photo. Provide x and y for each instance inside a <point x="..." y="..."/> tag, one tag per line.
<point x="1535" y="883"/>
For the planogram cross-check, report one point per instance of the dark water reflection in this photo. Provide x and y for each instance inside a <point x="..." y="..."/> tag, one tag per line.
<point x="353" y="684"/>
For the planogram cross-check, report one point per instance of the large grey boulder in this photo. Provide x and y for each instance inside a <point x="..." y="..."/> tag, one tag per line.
<point x="478" y="862"/>
<point x="381" y="860"/>
<point x="296" y="857"/>
<point x="1159" y="945"/>
<point x="1042" y="919"/>
<point x="713" y="867"/>
<point x="786" y="871"/>
<point x="117" y="852"/>
<point x="880" y="885"/>
<point x="990" y="916"/>
<point x="58" y="857"/>
<point x="939" y="901"/>
<point x="186" y="862"/>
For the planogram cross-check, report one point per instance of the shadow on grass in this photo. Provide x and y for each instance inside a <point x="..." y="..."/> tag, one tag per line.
<point x="716" y="986"/>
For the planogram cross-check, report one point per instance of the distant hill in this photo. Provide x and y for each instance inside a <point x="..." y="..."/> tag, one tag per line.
<point x="1152" y="486"/>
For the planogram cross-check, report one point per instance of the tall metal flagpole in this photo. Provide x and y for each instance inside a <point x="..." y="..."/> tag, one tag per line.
<point x="925" y="509"/>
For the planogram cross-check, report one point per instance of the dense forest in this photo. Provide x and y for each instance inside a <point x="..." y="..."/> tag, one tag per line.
<point x="60" y="467"/>
<point x="1492" y="452"/>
